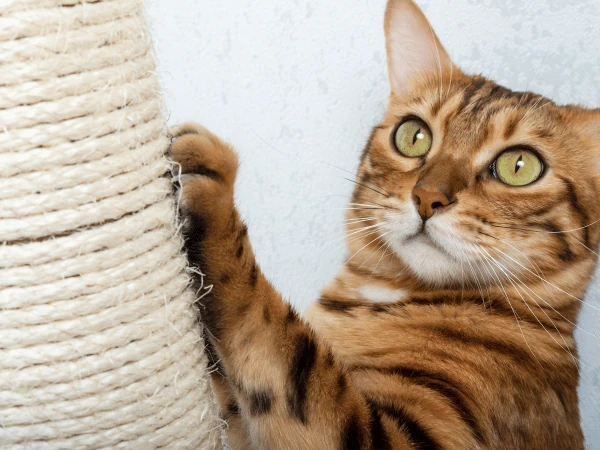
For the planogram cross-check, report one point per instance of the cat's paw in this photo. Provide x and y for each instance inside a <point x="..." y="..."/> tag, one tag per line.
<point x="207" y="168"/>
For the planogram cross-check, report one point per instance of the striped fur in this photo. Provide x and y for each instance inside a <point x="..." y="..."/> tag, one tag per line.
<point x="459" y="337"/>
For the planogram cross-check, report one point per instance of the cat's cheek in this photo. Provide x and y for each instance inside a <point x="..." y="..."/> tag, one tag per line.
<point x="402" y="224"/>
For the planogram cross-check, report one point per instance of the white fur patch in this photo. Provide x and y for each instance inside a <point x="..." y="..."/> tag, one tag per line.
<point x="382" y="294"/>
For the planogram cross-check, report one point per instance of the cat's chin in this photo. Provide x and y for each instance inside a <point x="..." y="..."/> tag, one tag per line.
<point x="429" y="261"/>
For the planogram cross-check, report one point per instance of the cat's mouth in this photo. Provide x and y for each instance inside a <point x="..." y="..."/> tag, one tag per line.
<point x="423" y="233"/>
<point x="425" y="237"/>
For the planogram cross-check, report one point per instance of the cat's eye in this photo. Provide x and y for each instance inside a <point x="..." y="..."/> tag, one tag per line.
<point x="413" y="138"/>
<point x="518" y="167"/>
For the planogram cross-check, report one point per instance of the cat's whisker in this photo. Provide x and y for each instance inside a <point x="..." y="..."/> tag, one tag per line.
<point x="546" y="281"/>
<point x="359" y="220"/>
<point x="488" y="284"/>
<point x="362" y="236"/>
<point x="539" y="271"/>
<point x="510" y="277"/>
<point x="475" y="277"/>
<point x="508" y="225"/>
<point x="587" y="248"/>
<point x="518" y="319"/>
<point x="367" y="200"/>
<point x="527" y="288"/>
<point x="339" y="239"/>
<point x="369" y="205"/>
<point x="386" y="194"/>
<point x="362" y="229"/>
<point x="357" y="235"/>
<point x="374" y="205"/>
<point x="360" y="209"/>
<point x="373" y="187"/>
<point x="366" y="245"/>
<point x="387" y="248"/>
<point x="372" y="254"/>
<point x="552" y="307"/>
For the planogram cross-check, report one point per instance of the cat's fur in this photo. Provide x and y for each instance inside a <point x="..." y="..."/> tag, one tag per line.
<point x="459" y="340"/>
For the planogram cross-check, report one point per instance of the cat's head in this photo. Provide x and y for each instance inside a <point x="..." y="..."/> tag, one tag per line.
<point x="465" y="179"/>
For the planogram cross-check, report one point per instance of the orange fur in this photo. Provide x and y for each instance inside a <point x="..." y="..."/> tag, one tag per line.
<point x="458" y="336"/>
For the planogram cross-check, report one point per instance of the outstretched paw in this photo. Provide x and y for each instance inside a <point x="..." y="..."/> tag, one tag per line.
<point x="208" y="167"/>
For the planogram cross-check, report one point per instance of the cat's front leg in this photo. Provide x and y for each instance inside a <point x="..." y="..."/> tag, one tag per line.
<point x="290" y="390"/>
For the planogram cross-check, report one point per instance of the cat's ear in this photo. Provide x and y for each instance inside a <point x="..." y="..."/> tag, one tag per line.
<point x="413" y="49"/>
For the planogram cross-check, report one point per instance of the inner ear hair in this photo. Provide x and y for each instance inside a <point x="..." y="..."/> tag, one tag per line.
<point x="413" y="49"/>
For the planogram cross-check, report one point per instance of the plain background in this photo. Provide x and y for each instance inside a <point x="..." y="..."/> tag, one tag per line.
<point x="296" y="86"/>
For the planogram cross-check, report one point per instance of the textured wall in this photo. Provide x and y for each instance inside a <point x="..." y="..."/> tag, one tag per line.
<point x="295" y="86"/>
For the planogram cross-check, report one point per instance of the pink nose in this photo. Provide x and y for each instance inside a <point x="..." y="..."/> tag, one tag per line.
<point x="429" y="199"/>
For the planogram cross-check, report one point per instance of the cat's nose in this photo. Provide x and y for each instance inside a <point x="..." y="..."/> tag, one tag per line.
<point x="428" y="200"/>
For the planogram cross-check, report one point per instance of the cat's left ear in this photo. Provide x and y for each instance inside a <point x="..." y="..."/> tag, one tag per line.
<point x="414" y="51"/>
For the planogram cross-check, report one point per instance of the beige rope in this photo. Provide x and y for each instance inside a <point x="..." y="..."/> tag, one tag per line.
<point x="99" y="339"/>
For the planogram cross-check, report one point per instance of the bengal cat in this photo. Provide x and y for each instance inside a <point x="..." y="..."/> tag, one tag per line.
<point x="470" y="243"/>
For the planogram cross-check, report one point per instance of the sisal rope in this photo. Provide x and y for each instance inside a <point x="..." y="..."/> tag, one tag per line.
<point x="99" y="340"/>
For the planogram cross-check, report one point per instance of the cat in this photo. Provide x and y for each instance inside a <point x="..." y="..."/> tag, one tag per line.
<point x="470" y="241"/>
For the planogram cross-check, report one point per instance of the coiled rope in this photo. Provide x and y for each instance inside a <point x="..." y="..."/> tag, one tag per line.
<point x="99" y="340"/>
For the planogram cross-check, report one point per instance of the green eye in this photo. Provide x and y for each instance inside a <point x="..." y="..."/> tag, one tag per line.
<point x="413" y="138"/>
<point x="518" y="167"/>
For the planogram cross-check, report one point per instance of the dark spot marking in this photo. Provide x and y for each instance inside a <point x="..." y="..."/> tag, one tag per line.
<point x="291" y="316"/>
<point x="518" y="354"/>
<point x="544" y="134"/>
<point x="194" y="233"/>
<point x="253" y="275"/>
<point x="470" y="92"/>
<point x="302" y="365"/>
<point x="381" y="307"/>
<point x="266" y="314"/>
<point x="491" y="305"/>
<point x="242" y="233"/>
<point x="342" y="385"/>
<point x="353" y="436"/>
<point x="566" y="254"/>
<point x="329" y="359"/>
<point x="446" y="388"/>
<point x="233" y="408"/>
<point x="205" y="172"/>
<point x="379" y="437"/>
<point x="511" y="128"/>
<point x="243" y="308"/>
<point x="337" y="305"/>
<point x="232" y="220"/>
<point x="416" y="433"/>
<point x="260" y="402"/>
<point x="240" y="250"/>
<point x="437" y="106"/>
<point x="578" y="207"/>
<point x="225" y="278"/>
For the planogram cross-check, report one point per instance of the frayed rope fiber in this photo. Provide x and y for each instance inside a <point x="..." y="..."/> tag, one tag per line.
<point x="100" y="345"/>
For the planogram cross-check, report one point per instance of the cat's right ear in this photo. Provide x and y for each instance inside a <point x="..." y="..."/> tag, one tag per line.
<point x="414" y="51"/>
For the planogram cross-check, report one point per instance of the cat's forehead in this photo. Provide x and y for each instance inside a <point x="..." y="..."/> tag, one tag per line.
<point x="473" y="111"/>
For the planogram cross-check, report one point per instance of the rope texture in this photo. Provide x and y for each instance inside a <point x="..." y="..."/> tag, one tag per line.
<point x="99" y="340"/>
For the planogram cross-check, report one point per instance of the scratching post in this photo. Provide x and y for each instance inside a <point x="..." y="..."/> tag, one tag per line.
<point x="99" y="340"/>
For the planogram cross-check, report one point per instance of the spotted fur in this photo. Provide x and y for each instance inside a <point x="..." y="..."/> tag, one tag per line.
<point x="457" y="337"/>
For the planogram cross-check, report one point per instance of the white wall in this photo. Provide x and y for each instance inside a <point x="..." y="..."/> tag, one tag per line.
<point x="296" y="86"/>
